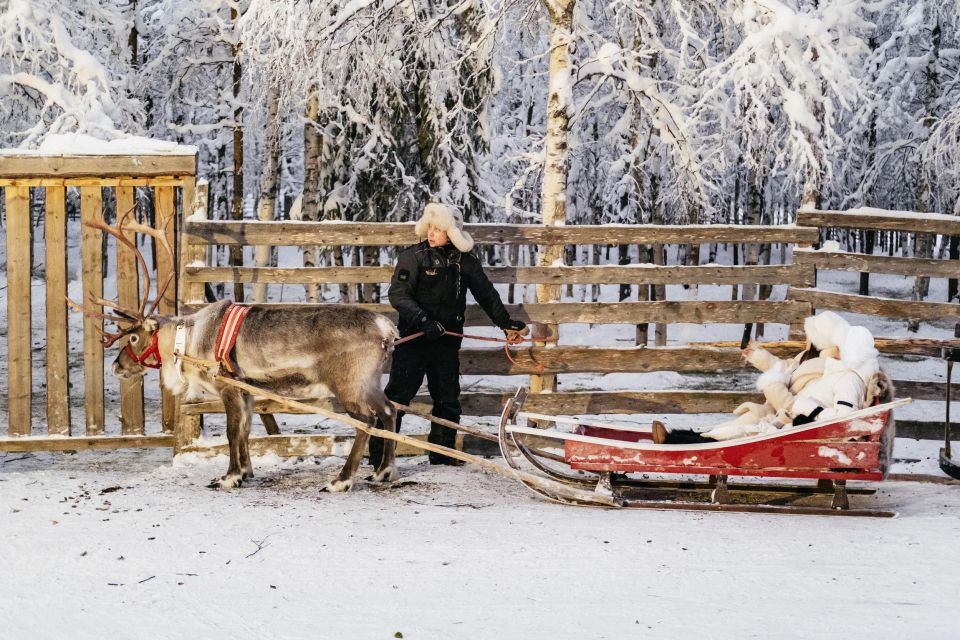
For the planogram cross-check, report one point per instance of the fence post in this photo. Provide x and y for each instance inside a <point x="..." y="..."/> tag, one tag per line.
<point x="18" y="309"/>
<point x="195" y="197"/>
<point x="128" y="294"/>
<point x="58" y="370"/>
<point x="91" y="247"/>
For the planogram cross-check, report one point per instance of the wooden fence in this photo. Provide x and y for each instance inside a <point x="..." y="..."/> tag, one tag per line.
<point x="892" y="221"/>
<point x="198" y="236"/>
<point x="100" y="180"/>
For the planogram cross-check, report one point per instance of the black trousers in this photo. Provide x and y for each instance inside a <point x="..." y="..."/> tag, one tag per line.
<point x="439" y="361"/>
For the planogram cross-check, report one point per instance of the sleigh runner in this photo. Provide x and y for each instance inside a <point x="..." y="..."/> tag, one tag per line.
<point x="858" y="446"/>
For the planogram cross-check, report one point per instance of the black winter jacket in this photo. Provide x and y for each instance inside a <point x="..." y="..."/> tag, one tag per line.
<point x="432" y="283"/>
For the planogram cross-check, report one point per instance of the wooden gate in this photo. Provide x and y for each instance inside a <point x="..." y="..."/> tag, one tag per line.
<point x="105" y="185"/>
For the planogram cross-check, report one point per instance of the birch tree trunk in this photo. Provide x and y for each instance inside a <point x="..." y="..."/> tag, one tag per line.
<point x="556" y="164"/>
<point x="268" y="185"/>
<point x="310" y="210"/>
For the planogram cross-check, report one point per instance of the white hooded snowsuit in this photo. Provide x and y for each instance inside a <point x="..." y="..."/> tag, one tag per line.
<point x="786" y="380"/>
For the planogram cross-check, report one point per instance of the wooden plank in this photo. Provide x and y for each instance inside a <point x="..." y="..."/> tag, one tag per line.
<point x="923" y="390"/>
<point x="58" y="346"/>
<point x="909" y="221"/>
<point x="380" y="234"/>
<point x="922" y="430"/>
<point x="195" y="197"/>
<point x="857" y="262"/>
<point x="875" y="306"/>
<point x="559" y="403"/>
<point x="75" y="166"/>
<point x="607" y="274"/>
<point x="528" y="361"/>
<point x="126" y="181"/>
<point x="165" y="221"/>
<point x="128" y="292"/>
<point x="91" y="209"/>
<point x="687" y="311"/>
<point x="83" y="443"/>
<point x="19" y="365"/>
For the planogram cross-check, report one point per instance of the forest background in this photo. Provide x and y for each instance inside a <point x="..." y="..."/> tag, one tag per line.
<point x="576" y="111"/>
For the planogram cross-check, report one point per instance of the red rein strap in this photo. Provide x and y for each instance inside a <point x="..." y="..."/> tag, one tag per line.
<point x="152" y="350"/>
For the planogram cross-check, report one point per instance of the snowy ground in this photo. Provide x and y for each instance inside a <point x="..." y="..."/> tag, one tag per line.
<point x="129" y="545"/>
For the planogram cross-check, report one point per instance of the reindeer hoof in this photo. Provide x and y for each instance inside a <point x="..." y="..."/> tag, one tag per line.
<point x="227" y="482"/>
<point x="387" y="474"/>
<point x="337" y="486"/>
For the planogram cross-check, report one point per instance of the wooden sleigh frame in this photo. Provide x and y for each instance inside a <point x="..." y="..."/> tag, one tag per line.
<point x="857" y="447"/>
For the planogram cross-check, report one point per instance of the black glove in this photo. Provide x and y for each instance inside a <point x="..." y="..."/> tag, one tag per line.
<point x="515" y="329"/>
<point x="432" y="329"/>
<point x="514" y="325"/>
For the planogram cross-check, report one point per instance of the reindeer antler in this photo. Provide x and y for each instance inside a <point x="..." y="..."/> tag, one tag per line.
<point x="125" y="315"/>
<point x="161" y="239"/>
<point x="108" y="338"/>
<point x="141" y="262"/>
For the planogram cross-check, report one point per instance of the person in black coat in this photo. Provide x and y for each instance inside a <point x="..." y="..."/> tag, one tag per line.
<point x="429" y="290"/>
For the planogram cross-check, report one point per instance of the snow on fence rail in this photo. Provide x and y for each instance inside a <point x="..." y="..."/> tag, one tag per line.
<point x="48" y="178"/>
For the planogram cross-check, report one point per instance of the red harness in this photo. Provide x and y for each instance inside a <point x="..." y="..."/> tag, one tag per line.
<point x="152" y="350"/>
<point x="227" y="336"/>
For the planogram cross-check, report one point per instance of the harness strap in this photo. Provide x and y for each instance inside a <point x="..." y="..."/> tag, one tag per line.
<point x="227" y="336"/>
<point x="152" y="350"/>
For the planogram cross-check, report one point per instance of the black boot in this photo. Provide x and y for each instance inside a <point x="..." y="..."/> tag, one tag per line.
<point x="445" y="437"/>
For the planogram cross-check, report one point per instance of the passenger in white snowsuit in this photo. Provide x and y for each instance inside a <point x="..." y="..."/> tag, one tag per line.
<point x="804" y="389"/>
<point x="785" y="379"/>
<point x="843" y="387"/>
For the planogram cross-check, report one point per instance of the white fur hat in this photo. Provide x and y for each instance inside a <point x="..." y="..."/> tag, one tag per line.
<point x="447" y="219"/>
<point x="826" y="329"/>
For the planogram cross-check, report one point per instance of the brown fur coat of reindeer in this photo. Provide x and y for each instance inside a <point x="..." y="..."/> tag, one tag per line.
<point x="298" y="351"/>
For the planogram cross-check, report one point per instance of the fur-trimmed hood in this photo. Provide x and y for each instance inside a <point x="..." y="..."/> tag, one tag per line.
<point x="447" y="219"/>
<point x="826" y="329"/>
<point x="859" y="353"/>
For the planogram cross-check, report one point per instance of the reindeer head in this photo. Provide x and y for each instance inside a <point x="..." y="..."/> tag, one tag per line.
<point x="140" y="327"/>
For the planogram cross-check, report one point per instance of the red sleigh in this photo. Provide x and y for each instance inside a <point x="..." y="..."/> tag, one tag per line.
<point x="599" y="456"/>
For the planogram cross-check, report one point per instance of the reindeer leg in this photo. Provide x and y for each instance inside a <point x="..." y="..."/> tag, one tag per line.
<point x="246" y="466"/>
<point x="344" y="480"/>
<point x="387" y="470"/>
<point x="235" y="405"/>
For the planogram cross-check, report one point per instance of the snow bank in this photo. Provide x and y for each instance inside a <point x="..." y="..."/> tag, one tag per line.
<point x="81" y="144"/>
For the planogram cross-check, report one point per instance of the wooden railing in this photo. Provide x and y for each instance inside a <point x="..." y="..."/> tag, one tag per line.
<point x="533" y="361"/>
<point x="877" y="220"/>
<point x="99" y="179"/>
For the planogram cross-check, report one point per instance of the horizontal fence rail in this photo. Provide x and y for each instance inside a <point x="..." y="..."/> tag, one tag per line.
<point x="882" y="220"/>
<point x="402" y="234"/>
<point x="692" y="311"/>
<point x="893" y="265"/>
<point x="606" y="274"/>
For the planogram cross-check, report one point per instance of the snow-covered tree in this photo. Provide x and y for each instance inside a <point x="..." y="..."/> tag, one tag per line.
<point x="64" y="67"/>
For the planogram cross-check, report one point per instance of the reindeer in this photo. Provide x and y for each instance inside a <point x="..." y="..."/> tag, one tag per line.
<point x="298" y="351"/>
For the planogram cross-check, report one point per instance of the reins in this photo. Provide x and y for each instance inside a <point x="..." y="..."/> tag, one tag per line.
<point x="511" y="340"/>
